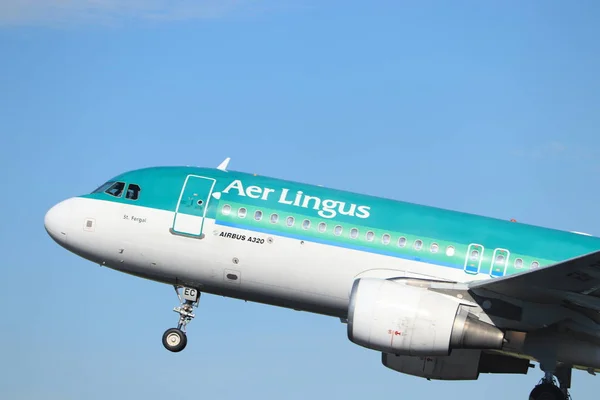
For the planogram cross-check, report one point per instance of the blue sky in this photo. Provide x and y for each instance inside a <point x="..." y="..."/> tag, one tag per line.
<point x="484" y="107"/>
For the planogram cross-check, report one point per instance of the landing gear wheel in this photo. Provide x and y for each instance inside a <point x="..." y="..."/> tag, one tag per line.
<point x="547" y="391"/>
<point x="174" y="340"/>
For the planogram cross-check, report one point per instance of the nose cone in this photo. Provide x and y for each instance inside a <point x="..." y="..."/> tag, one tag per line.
<point x="56" y="221"/>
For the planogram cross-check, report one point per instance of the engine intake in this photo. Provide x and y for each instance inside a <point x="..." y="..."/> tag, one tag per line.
<point x="395" y="318"/>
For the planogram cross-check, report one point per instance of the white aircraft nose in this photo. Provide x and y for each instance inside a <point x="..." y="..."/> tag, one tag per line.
<point x="56" y="221"/>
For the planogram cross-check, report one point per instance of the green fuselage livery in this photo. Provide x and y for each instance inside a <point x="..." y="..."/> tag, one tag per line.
<point x="451" y="239"/>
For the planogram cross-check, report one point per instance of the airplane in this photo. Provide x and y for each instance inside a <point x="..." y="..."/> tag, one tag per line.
<point x="441" y="294"/>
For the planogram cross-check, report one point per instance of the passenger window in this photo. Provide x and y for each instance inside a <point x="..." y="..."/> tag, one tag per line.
<point x="370" y="236"/>
<point x="402" y="242"/>
<point x="337" y="231"/>
<point x="322" y="226"/>
<point x="535" y="264"/>
<point x="500" y="259"/>
<point x="274" y="218"/>
<point x="258" y="215"/>
<point x="434" y="248"/>
<point x="418" y="244"/>
<point x="133" y="191"/>
<point x="450" y="251"/>
<point x="306" y="224"/>
<point x="518" y="263"/>
<point x="226" y="209"/>
<point x="385" y="239"/>
<point x="116" y="189"/>
<point x="242" y="212"/>
<point x="290" y="221"/>
<point x="474" y="255"/>
<point x="353" y="233"/>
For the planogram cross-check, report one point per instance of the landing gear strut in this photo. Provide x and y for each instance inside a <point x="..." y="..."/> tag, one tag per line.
<point x="550" y="388"/>
<point x="175" y="339"/>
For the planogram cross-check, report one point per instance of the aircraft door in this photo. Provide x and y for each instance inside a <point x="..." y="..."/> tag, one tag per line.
<point x="473" y="259"/>
<point x="499" y="263"/>
<point x="192" y="205"/>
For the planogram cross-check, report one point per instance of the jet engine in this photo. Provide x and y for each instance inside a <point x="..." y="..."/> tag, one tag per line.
<point x="405" y="320"/>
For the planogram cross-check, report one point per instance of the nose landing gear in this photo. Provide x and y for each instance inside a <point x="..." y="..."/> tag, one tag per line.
<point x="175" y="339"/>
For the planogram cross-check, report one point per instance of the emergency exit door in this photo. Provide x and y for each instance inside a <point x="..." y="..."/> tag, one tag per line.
<point x="473" y="259"/>
<point x="499" y="263"/>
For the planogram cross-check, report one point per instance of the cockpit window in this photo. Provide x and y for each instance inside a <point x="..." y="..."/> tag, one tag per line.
<point x="133" y="191"/>
<point x="116" y="189"/>
<point x="103" y="187"/>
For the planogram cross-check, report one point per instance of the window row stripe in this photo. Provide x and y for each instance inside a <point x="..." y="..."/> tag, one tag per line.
<point x="370" y="236"/>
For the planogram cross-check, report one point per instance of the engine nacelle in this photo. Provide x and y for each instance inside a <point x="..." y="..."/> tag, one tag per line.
<point x="462" y="364"/>
<point x="405" y="320"/>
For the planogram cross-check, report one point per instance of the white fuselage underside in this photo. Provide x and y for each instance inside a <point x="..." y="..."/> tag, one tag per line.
<point x="275" y="270"/>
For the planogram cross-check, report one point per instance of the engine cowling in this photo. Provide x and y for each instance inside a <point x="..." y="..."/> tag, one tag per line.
<point x="405" y="320"/>
<point x="462" y="364"/>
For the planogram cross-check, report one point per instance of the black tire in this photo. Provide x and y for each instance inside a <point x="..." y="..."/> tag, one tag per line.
<point x="174" y="340"/>
<point x="547" y="391"/>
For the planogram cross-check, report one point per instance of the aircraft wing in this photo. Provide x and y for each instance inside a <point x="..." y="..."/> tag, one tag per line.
<point x="575" y="281"/>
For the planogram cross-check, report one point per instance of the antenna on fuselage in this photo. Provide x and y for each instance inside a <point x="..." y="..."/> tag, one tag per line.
<point x="224" y="164"/>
